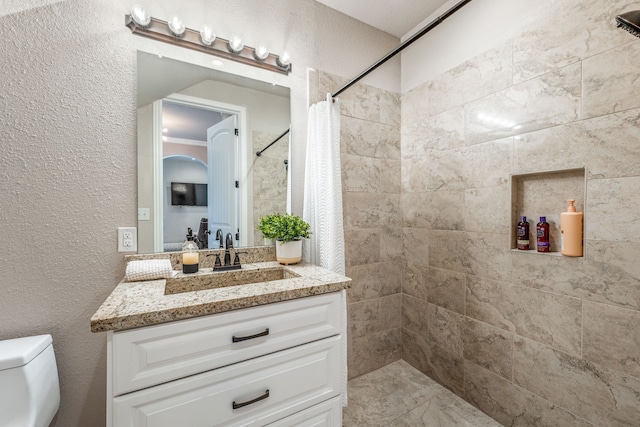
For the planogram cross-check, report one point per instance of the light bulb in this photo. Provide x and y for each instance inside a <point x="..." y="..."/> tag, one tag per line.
<point x="165" y="130"/>
<point x="207" y="35"/>
<point x="176" y="26"/>
<point x="140" y="16"/>
<point x="261" y="53"/>
<point x="235" y="44"/>
<point x="283" y="60"/>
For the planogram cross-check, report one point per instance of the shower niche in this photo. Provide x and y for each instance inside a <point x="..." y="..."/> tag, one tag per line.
<point x="545" y="193"/>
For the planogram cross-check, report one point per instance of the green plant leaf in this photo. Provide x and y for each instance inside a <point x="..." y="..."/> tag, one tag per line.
<point x="285" y="228"/>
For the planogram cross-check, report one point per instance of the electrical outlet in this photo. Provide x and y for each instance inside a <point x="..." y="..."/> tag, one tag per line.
<point x="144" y="214"/>
<point x="127" y="239"/>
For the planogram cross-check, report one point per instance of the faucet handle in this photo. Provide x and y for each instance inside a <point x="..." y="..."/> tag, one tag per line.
<point x="217" y="263"/>
<point x="236" y="259"/>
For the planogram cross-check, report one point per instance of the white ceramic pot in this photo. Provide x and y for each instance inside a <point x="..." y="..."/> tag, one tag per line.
<point x="289" y="252"/>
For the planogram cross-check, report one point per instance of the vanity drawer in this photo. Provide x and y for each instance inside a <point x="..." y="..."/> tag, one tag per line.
<point x="156" y="354"/>
<point x="296" y="379"/>
<point x="325" y="414"/>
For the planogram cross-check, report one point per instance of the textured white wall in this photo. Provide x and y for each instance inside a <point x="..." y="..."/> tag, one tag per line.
<point x="68" y="151"/>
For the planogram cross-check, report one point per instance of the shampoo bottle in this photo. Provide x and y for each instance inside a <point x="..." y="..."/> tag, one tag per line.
<point x="190" y="257"/>
<point x="523" y="234"/>
<point x="571" y="231"/>
<point x="542" y="235"/>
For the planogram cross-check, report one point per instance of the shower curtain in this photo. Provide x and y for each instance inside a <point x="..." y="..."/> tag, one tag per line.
<point x="322" y="207"/>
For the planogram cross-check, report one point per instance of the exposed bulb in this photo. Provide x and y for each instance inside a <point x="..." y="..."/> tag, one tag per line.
<point x="207" y="35"/>
<point x="284" y="60"/>
<point x="235" y="44"/>
<point x="140" y="16"/>
<point x="261" y="53"/>
<point x="176" y="26"/>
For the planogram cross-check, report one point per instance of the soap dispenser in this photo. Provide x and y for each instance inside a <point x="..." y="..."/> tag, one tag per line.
<point x="571" y="231"/>
<point x="190" y="257"/>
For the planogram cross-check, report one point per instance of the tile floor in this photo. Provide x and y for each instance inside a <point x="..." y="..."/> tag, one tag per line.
<point x="398" y="395"/>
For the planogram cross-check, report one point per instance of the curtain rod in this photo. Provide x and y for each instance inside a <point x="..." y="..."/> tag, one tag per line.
<point x="388" y="56"/>
<point x="402" y="46"/>
<point x="259" y="153"/>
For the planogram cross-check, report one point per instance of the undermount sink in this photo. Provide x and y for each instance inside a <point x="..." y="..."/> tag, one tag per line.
<point x="212" y="280"/>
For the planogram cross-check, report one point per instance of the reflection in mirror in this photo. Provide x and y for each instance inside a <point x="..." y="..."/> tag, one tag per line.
<point x="194" y="170"/>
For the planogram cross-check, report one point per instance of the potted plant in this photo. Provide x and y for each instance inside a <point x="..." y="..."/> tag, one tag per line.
<point x="288" y="231"/>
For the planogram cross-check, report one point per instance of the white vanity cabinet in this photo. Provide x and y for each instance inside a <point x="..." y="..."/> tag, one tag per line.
<point x="277" y="364"/>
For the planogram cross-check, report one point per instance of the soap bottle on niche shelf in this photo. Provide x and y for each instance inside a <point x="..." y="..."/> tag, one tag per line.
<point x="523" y="234"/>
<point x="190" y="257"/>
<point x="571" y="231"/>
<point x="542" y="235"/>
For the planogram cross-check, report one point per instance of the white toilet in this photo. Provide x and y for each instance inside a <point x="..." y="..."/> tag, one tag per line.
<point x="29" y="388"/>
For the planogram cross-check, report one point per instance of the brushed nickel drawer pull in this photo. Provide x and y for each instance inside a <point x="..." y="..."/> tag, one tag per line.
<point x="249" y="402"/>
<point x="250" y="337"/>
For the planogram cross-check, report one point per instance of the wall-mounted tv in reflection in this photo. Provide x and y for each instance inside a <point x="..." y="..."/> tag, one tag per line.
<point x="188" y="194"/>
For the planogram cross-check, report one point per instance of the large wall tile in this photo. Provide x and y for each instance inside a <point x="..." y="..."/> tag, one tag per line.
<point x="512" y="405"/>
<point x="371" y="210"/>
<point x="609" y="273"/>
<point x="552" y="319"/>
<point x="549" y="100"/>
<point x="444" y="367"/>
<point x="413" y="178"/>
<point x="413" y="145"/>
<point x="374" y="351"/>
<point x="488" y="346"/>
<point x="571" y="31"/>
<point x="370" y="139"/>
<point x="487" y="164"/>
<point x="415" y="242"/>
<point x="390" y="176"/>
<point x="364" y="318"/>
<point x="360" y="174"/>
<point x="609" y="147"/>
<point x="446" y="329"/>
<point x="486" y="255"/>
<point x="486" y="210"/>
<point x="444" y="131"/>
<point x="389" y="108"/>
<point x="444" y="250"/>
<point x="440" y="170"/>
<point x="611" y="81"/>
<point x="391" y="240"/>
<point x="391" y="312"/>
<point x="374" y="280"/>
<point x="482" y="75"/>
<point x="612" y="209"/>
<point x="414" y="315"/>
<point x="602" y="396"/>
<point x="414" y="280"/>
<point x="440" y="210"/>
<point x="612" y="337"/>
<point x="362" y="246"/>
<point x="446" y="288"/>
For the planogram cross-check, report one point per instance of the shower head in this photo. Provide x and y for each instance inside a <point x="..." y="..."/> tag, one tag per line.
<point x="630" y="21"/>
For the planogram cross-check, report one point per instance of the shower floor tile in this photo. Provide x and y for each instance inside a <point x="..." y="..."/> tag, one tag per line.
<point x="398" y="395"/>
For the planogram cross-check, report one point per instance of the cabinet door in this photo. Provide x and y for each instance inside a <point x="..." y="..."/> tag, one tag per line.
<point x="325" y="414"/>
<point x="157" y="354"/>
<point x="253" y="393"/>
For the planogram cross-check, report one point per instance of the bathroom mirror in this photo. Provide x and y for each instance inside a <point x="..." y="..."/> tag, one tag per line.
<point x="194" y="169"/>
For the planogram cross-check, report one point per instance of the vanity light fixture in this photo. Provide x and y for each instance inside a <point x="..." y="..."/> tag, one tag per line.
<point x="207" y="35"/>
<point x="176" y="27"/>
<point x="235" y="44"/>
<point x="284" y="61"/>
<point x="205" y="41"/>
<point x="140" y="16"/>
<point x="261" y="53"/>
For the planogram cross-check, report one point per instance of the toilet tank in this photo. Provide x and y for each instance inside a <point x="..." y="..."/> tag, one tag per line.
<point x="29" y="388"/>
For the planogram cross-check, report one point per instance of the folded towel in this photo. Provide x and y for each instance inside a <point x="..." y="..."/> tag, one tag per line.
<point x="148" y="269"/>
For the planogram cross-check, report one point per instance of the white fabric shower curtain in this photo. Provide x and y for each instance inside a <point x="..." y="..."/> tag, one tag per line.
<point x="322" y="207"/>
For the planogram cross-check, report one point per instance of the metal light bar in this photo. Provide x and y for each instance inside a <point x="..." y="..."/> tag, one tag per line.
<point x="159" y="30"/>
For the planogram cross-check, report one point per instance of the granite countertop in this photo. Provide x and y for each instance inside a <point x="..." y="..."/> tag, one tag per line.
<point x="137" y="304"/>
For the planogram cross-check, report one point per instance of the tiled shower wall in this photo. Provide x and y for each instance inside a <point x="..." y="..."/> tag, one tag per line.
<point x="370" y="154"/>
<point x="269" y="178"/>
<point x="535" y="340"/>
